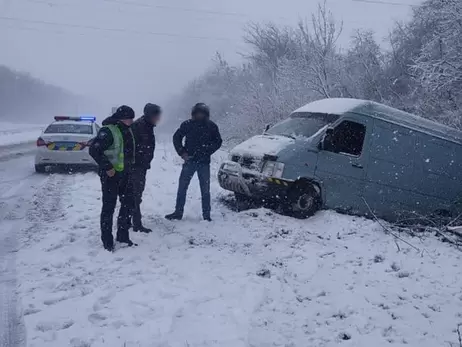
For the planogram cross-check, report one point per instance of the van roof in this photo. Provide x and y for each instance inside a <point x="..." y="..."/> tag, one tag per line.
<point x="340" y="106"/>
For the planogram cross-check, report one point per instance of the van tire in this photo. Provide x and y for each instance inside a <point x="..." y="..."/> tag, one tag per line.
<point x="40" y="168"/>
<point x="303" y="200"/>
<point x="243" y="202"/>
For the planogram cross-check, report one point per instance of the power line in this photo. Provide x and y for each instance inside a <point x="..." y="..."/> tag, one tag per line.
<point x="182" y="9"/>
<point x="59" y="32"/>
<point x="118" y="30"/>
<point x="162" y="7"/>
<point x="175" y="9"/>
<point x="154" y="33"/>
<point x="379" y="2"/>
<point x="66" y="33"/>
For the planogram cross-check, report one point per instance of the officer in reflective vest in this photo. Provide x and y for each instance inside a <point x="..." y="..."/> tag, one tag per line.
<point x="113" y="149"/>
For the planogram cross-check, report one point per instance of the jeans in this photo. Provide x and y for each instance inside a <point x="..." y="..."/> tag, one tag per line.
<point x="187" y="173"/>
<point x="138" y="178"/>
<point x="115" y="187"/>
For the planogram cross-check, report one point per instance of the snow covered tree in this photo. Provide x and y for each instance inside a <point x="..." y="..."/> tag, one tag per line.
<point x="289" y="67"/>
<point x="438" y="66"/>
<point x="364" y="63"/>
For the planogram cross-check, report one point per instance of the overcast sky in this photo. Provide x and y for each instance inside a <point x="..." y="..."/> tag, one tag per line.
<point x="134" y="62"/>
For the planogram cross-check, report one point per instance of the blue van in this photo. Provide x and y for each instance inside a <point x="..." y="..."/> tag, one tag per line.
<point x="352" y="156"/>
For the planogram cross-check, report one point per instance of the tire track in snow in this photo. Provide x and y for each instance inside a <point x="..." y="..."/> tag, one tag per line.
<point x="15" y="196"/>
<point x="45" y="207"/>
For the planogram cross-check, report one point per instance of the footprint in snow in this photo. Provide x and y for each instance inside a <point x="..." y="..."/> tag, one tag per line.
<point x="51" y="302"/>
<point x="77" y="342"/>
<point x="118" y="324"/>
<point x="30" y="311"/>
<point x="102" y="301"/>
<point x="106" y="299"/>
<point x="47" y="326"/>
<point x="96" y="318"/>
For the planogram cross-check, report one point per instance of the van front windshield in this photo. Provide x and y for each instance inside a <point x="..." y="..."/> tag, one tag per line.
<point x="302" y="124"/>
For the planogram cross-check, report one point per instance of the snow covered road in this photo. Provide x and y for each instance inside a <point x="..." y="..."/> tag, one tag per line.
<point x="253" y="278"/>
<point x="18" y="184"/>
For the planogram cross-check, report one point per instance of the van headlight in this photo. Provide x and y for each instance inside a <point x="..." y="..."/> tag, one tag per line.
<point x="273" y="169"/>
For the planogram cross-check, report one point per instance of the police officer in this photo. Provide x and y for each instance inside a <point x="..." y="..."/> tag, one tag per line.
<point x="143" y="130"/>
<point x="201" y="139"/>
<point x="113" y="149"/>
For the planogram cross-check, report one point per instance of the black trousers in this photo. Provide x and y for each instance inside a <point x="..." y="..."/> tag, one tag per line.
<point x="138" y="178"/>
<point x="113" y="188"/>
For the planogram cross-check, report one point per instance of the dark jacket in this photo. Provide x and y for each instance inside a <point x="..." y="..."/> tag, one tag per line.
<point x="145" y="143"/>
<point x="201" y="140"/>
<point x="104" y="140"/>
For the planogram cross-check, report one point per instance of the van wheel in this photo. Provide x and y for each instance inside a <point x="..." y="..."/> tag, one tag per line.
<point x="303" y="200"/>
<point x="40" y="168"/>
<point x="243" y="202"/>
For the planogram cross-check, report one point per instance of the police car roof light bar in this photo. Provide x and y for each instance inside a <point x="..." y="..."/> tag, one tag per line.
<point x="86" y="118"/>
<point x="92" y="119"/>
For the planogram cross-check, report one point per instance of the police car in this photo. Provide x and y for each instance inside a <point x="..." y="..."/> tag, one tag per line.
<point x="65" y="142"/>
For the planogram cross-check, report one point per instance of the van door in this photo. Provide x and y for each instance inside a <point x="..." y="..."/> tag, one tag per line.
<point x="342" y="164"/>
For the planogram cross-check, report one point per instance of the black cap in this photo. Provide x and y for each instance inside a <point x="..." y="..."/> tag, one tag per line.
<point x="152" y="110"/>
<point x="200" y="108"/>
<point x="124" y="112"/>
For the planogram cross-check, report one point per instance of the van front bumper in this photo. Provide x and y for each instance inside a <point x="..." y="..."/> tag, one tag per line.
<point x="233" y="177"/>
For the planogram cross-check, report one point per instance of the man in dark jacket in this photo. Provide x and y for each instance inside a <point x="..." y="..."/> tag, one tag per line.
<point x="201" y="139"/>
<point x="113" y="149"/>
<point x="143" y="130"/>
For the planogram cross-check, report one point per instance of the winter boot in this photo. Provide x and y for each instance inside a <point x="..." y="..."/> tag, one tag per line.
<point x="109" y="247"/>
<point x="174" y="216"/>
<point x="128" y="242"/>
<point x="142" y="229"/>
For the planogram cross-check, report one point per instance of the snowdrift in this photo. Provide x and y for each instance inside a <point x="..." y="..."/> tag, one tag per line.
<point x="13" y="134"/>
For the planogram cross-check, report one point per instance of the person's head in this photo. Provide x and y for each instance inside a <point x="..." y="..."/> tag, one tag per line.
<point x="124" y="114"/>
<point x="200" y="112"/>
<point x="153" y="113"/>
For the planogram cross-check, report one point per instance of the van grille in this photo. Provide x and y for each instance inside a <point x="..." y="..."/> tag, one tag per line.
<point x="247" y="162"/>
<point x="235" y="158"/>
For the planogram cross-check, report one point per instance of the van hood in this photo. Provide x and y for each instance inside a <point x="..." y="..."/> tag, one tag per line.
<point x="260" y="145"/>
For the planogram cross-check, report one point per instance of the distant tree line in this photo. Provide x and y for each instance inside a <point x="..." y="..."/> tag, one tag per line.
<point x="25" y="98"/>
<point x="421" y="72"/>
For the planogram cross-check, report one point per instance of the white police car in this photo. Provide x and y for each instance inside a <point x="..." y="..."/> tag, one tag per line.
<point x="65" y="142"/>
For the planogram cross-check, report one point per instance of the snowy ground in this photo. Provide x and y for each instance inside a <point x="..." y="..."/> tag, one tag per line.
<point x="12" y="133"/>
<point x="331" y="280"/>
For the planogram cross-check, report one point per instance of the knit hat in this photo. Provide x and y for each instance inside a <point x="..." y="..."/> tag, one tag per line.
<point x="124" y="112"/>
<point x="152" y="110"/>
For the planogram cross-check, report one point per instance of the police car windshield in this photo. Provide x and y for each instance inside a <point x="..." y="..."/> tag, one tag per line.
<point x="57" y="128"/>
<point x="302" y="124"/>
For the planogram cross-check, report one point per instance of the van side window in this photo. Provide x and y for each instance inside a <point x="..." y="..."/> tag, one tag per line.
<point x="348" y="138"/>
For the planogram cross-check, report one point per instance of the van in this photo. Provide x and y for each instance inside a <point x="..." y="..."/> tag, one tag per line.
<point x="353" y="156"/>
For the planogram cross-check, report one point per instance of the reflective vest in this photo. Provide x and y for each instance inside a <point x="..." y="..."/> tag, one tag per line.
<point x="115" y="153"/>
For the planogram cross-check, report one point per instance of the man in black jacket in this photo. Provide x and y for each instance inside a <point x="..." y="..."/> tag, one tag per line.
<point x="201" y="139"/>
<point x="143" y="129"/>
<point x="113" y="149"/>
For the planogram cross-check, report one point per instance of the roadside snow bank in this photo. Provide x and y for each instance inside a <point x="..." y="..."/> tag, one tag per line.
<point x="12" y="134"/>
<point x="247" y="279"/>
